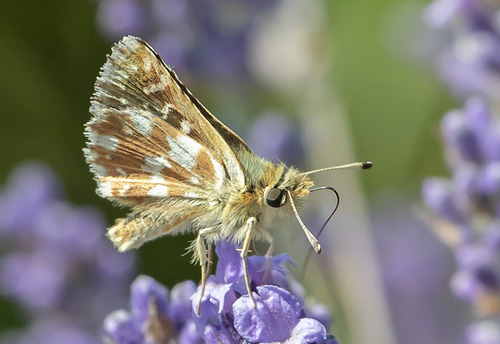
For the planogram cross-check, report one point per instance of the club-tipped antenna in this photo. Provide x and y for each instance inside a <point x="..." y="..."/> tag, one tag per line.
<point x="360" y="165"/>
<point x="309" y="252"/>
<point x="316" y="246"/>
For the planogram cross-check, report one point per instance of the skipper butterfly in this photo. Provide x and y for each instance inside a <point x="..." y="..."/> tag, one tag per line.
<point x="155" y="148"/>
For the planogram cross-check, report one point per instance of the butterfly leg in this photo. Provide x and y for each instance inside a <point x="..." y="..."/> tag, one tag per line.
<point x="203" y="253"/>
<point x="250" y="224"/>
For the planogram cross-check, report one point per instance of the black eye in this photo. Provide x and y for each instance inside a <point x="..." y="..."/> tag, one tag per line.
<point x="275" y="197"/>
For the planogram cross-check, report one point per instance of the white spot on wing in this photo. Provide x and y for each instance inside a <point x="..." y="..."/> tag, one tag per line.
<point x="158" y="179"/>
<point x="185" y="127"/>
<point x="105" y="189"/>
<point x="99" y="170"/>
<point x="158" y="191"/>
<point x="108" y="142"/>
<point x="157" y="87"/>
<point x="183" y="150"/>
<point x="147" y="64"/>
<point x="219" y="172"/>
<point x="123" y="191"/>
<point x="142" y="124"/>
<point x="191" y="195"/>
<point x="90" y="154"/>
<point x="129" y="43"/>
<point x="155" y="164"/>
<point x="166" y="109"/>
<point x="122" y="172"/>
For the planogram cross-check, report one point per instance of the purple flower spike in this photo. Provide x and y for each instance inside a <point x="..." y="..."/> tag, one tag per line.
<point x="180" y="304"/>
<point x="57" y="330"/>
<point x="319" y="312"/>
<point x="310" y="331"/>
<point x="491" y="145"/>
<point x="273" y="320"/>
<point x="470" y="201"/>
<point x="460" y="137"/>
<point x="38" y="280"/>
<point x="210" y="38"/>
<point x="230" y="265"/>
<point x="116" y="17"/>
<point x="478" y="116"/>
<point x="492" y="236"/>
<point x="485" y="332"/>
<point x="273" y="137"/>
<point x="122" y="328"/>
<point x="437" y="194"/>
<point x="30" y="188"/>
<point x="489" y="179"/>
<point x="218" y="335"/>
<point x="53" y="262"/>
<point x="226" y="315"/>
<point x="442" y="11"/>
<point x="145" y="292"/>
<point x="148" y="322"/>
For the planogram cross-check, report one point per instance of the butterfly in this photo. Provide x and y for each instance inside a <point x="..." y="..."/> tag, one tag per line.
<point x="155" y="148"/>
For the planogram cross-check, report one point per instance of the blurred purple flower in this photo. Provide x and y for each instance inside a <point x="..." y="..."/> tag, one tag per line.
<point x="469" y="204"/>
<point x="415" y="268"/>
<point x="52" y="330"/>
<point x="485" y="332"/>
<point x="226" y="313"/>
<point x="469" y="62"/>
<point x="27" y="192"/>
<point x="54" y="261"/>
<point x="272" y="136"/>
<point x="207" y="38"/>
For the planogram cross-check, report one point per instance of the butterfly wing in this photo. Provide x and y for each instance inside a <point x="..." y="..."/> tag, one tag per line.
<point x="153" y="146"/>
<point x="229" y="136"/>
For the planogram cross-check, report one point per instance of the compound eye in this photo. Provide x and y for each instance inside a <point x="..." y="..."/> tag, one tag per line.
<point x="275" y="197"/>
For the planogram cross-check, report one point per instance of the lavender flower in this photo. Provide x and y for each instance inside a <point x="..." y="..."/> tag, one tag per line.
<point x="273" y="137"/>
<point x="484" y="332"/>
<point x="469" y="207"/>
<point x="226" y="314"/>
<point x="56" y="262"/>
<point x="469" y="62"/>
<point x="206" y="38"/>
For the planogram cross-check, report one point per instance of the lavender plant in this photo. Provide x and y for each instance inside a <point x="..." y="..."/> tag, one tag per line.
<point x="226" y="314"/>
<point x="274" y="137"/>
<point x="469" y="56"/>
<point x="56" y="263"/>
<point x="468" y="204"/>
<point x="468" y="208"/>
<point x="213" y="44"/>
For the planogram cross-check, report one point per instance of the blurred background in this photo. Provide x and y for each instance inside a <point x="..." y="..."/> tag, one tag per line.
<point x="310" y="83"/>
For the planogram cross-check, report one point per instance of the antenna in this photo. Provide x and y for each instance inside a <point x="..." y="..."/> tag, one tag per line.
<point x="359" y="165"/>
<point x="309" y="252"/>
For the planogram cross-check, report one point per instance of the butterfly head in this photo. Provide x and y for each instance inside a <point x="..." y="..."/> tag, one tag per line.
<point x="291" y="184"/>
<point x="292" y="188"/>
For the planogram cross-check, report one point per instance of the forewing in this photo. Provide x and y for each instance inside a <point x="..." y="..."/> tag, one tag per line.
<point x="147" y="138"/>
